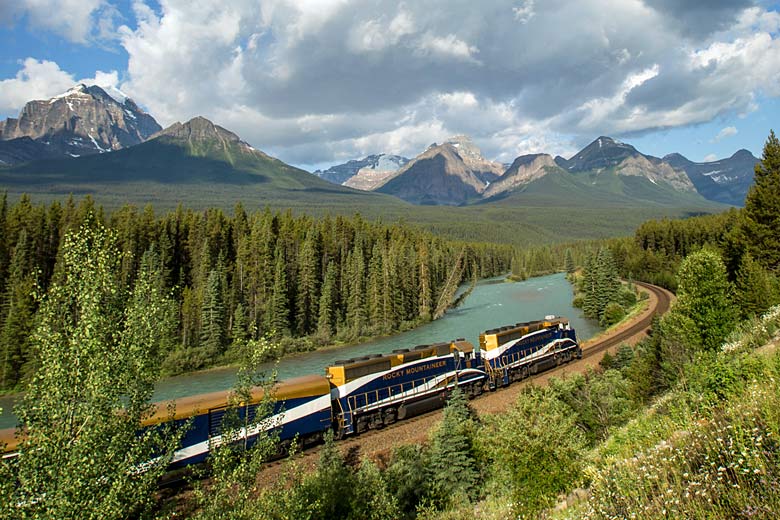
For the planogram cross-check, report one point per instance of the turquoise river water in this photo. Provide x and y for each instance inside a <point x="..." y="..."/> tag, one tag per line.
<point x="493" y="303"/>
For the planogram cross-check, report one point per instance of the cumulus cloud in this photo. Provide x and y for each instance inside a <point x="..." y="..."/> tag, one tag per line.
<point x="44" y="79"/>
<point x="724" y="133"/>
<point x="75" y="20"/>
<point x="317" y="81"/>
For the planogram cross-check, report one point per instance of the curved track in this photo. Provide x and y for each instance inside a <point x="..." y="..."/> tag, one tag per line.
<point x="378" y="443"/>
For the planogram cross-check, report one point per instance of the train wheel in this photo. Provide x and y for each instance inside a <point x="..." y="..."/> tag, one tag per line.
<point x="525" y="372"/>
<point x="390" y="416"/>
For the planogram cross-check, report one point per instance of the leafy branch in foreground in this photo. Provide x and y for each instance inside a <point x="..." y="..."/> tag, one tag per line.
<point x="82" y="455"/>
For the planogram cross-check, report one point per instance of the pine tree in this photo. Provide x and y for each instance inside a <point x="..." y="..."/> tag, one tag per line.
<point x="326" y="319"/>
<point x="753" y="290"/>
<point x="426" y="299"/>
<point x="239" y="332"/>
<point x="18" y="311"/>
<point x="761" y="216"/>
<point x="453" y="465"/>
<point x="356" y="298"/>
<point x="704" y="295"/>
<point x="607" y="281"/>
<point x="589" y="287"/>
<point x="375" y="296"/>
<point x="212" y="330"/>
<point x="308" y="284"/>
<point x="568" y="261"/>
<point x="278" y="317"/>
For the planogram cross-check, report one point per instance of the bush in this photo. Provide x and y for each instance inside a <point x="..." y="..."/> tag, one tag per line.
<point x="535" y="449"/>
<point x="613" y="313"/>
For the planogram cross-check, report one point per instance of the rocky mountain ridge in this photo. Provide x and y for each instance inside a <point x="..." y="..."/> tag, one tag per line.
<point x="422" y="180"/>
<point x="364" y="174"/>
<point x="82" y="121"/>
<point x="726" y="180"/>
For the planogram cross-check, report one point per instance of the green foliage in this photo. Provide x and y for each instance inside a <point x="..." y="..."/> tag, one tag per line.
<point x="754" y="290"/>
<point x="452" y="453"/>
<point x="234" y="462"/>
<point x="600" y="288"/>
<point x="237" y="278"/>
<point x="761" y="217"/>
<point x="407" y="478"/>
<point x="521" y="442"/>
<point x="82" y="454"/>
<point x="704" y="295"/>
<point x="613" y="313"/>
<point x="599" y="401"/>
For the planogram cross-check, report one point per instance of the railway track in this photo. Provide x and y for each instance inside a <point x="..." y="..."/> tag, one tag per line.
<point x="377" y="443"/>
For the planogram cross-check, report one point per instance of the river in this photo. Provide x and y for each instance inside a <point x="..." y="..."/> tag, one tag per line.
<point x="493" y="303"/>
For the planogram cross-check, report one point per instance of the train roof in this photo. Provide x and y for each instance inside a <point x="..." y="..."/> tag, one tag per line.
<point x="343" y="371"/>
<point x="493" y="338"/>
<point x="297" y="387"/>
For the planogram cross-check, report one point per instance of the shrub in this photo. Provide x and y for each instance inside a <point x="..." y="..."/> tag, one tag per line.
<point x="613" y="313"/>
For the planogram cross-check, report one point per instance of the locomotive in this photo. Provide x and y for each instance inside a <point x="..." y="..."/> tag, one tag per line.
<point x="369" y="392"/>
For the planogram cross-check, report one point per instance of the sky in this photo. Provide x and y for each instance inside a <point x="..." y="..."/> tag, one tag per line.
<point x="319" y="82"/>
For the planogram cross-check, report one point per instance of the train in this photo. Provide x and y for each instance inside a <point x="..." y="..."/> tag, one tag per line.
<point x="369" y="392"/>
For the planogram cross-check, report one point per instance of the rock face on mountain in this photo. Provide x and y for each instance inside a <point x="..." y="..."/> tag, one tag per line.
<point x="485" y="170"/>
<point x="452" y="173"/>
<point x="82" y="121"/>
<point x="608" y="155"/>
<point x="524" y="170"/>
<point x="438" y="176"/>
<point x="727" y="180"/>
<point x="364" y="174"/>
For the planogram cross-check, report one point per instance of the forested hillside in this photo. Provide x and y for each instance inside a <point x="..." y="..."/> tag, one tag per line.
<point x="235" y="278"/>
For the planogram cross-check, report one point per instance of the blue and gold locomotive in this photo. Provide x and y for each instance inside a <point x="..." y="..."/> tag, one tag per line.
<point x="371" y="392"/>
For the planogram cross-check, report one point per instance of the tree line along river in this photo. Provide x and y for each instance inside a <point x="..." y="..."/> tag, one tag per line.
<point x="493" y="303"/>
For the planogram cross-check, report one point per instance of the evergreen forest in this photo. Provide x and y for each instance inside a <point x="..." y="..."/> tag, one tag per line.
<point x="236" y="278"/>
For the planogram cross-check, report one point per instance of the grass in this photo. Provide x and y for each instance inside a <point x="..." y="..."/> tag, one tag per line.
<point x="693" y="455"/>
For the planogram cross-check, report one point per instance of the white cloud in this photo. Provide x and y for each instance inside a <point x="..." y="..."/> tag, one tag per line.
<point x="724" y="133"/>
<point x="75" y="20"/>
<point x="524" y="12"/>
<point x="710" y="157"/>
<point x="315" y="80"/>
<point x="449" y="46"/>
<point x="44" y="79"/>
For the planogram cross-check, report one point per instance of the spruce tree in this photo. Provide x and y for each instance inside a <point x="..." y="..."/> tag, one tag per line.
<point x="18" y="311"/>
<point x="753" y="290"/>
<point x="761" y="216"/>
<point x="327" y="304"/>
<point x="568" y="261"/>
<point x="278" y="317"/>
<point x="589" y="287"/>
<point x="454" y="472"/>
<point x="212" y="328"/>
<point x="356" y="299"/>
<point x="704" y="295"/>
<point x="307" y="297"/>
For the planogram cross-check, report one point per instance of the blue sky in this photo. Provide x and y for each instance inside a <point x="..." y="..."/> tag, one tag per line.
<point x="318" y="82"/>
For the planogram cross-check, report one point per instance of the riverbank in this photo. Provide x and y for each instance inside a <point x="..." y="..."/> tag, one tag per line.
<point x="493" y="303"/>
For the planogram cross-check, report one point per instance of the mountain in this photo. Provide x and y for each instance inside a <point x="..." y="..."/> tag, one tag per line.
<point x="452" y="173"/>
<point x="197" y="163"/>
<point x="524" y="170"/>
<point x="608" y="155"/>
<point x="727" y="180"/>
<point x="364" y="174"/>
<point x="82" y="121"/>
<point x="484" y="169"/>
